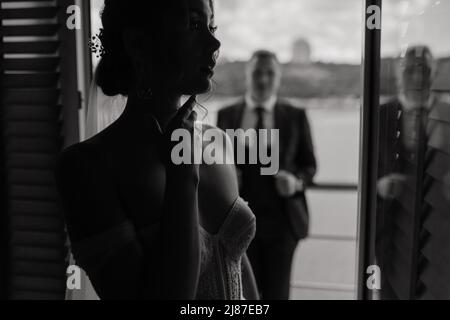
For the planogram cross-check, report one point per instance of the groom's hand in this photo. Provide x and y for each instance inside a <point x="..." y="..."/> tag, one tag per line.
<point x="287" y="184"/>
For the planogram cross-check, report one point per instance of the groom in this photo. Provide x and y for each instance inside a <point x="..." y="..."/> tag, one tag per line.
<point x="278" y="201"/>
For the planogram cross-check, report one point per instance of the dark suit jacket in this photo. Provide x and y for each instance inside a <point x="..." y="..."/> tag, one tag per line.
<point x="296" y="155"/>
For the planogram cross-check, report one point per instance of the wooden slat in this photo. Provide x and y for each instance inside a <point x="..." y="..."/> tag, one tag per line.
<point x="31" y="64"/>
<point x="438" y="166"/>
<point x="406" y="200"/>
<point x="27" y="252"/>
<point x="38" y="223"/>
<point x="437" y="196"/>
<point x="36" y="295"/>
<point x="441" y="112"/>
<point x="31" y="129"/>
<point x="30" y="161"/>
<point x="29" y="13"/>
<point x="36" y="238"/>
<point x="439" y="138"/>
<point x="30" y="192"/>
<point x="27" y="176"/>
<point x="32" y="112"/>
<point x="31" y="30"/>
<point x="437" y="282"/>
<point x="37" y="268"/>
<point x="437" y="253"/>
<point x="35" y="207"/>
<point x="31" y="96"/>
<point x="36" y="47"/>
<point x="31" y="80"/>
<point x="37" y="283"/>
<point x="33" y="145"/>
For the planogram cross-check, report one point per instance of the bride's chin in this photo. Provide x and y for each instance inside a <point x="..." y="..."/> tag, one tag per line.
<point x="208" y="85"/>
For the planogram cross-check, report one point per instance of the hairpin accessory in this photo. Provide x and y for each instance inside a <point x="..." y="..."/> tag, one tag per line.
<point x="95" y="43"/>
<point x="145" y="94"/>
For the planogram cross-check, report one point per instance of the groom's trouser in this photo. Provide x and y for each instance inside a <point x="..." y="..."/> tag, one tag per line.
<point x="271" y="258"/>
<point x="273" y="247"/>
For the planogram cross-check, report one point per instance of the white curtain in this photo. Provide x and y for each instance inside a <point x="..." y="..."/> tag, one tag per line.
<point x="102" y="110"/>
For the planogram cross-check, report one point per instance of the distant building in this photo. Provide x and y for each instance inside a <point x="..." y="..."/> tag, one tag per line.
<point x="301" y="53"/>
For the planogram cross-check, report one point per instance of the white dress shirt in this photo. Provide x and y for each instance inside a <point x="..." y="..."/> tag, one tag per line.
<point x="250" y="116"/>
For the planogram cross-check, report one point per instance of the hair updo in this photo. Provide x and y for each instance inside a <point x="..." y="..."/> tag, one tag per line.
<point x="115" y="72"/>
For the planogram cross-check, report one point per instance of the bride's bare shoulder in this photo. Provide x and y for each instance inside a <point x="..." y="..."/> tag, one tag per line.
<point x="218" y="161"/>
<point x="73" y="161"/>
<point x="91" y="153"/>
<point x="91" y="148"/>
<point x="217" y="138"/>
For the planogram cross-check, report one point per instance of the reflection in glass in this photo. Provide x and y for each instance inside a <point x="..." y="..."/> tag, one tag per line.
<point x="412" y="239"/>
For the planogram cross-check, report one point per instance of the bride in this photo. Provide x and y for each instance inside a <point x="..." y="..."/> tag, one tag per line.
<point x="140" y="226"/>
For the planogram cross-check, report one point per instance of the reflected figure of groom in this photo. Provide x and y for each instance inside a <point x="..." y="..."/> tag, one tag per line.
<point x="278" y="201"/>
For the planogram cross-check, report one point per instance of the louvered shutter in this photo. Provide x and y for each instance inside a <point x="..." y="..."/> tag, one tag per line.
<point x="433" y="274"/>
<point x="39" y="116"/>
<point x="416" y="251"/>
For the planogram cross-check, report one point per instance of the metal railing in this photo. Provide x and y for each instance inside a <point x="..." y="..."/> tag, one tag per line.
<point x="329" y="286"/>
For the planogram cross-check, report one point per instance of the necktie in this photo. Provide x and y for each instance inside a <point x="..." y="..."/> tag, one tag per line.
<point x="259" y="117"/>
<point x="261" y="142"/>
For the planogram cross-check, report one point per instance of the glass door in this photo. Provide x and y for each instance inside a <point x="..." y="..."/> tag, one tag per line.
<point x="405" y="200"/>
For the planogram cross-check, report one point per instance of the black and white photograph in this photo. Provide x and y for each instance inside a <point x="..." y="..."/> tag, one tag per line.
<point x="225" y="150"/>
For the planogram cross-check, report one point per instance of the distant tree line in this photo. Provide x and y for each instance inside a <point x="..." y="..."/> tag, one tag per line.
<point x="320" y="79"/>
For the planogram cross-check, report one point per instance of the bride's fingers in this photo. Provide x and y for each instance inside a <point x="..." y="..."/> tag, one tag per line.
<point x="179" y="120"/>
<point x="191" y="123"/>
<point x="192" y="117"/>
<point x="186" y="110"/>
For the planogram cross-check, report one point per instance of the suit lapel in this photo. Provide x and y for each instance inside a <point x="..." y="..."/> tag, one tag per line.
<point x="281" y="123"/>
<point x="278" y="115"/>
<point x="238" y="115"/>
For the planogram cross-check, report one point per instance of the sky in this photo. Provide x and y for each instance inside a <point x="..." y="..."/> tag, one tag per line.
<point x="416" y="22"/>
<point x="332" y="27"/>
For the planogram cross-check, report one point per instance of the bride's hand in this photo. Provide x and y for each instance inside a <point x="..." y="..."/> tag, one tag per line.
<point x="185" y="120"/>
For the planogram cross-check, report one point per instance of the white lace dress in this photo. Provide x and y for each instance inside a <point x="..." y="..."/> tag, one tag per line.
<point x="221" y="253"/>
<point x="220" y="276"/>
